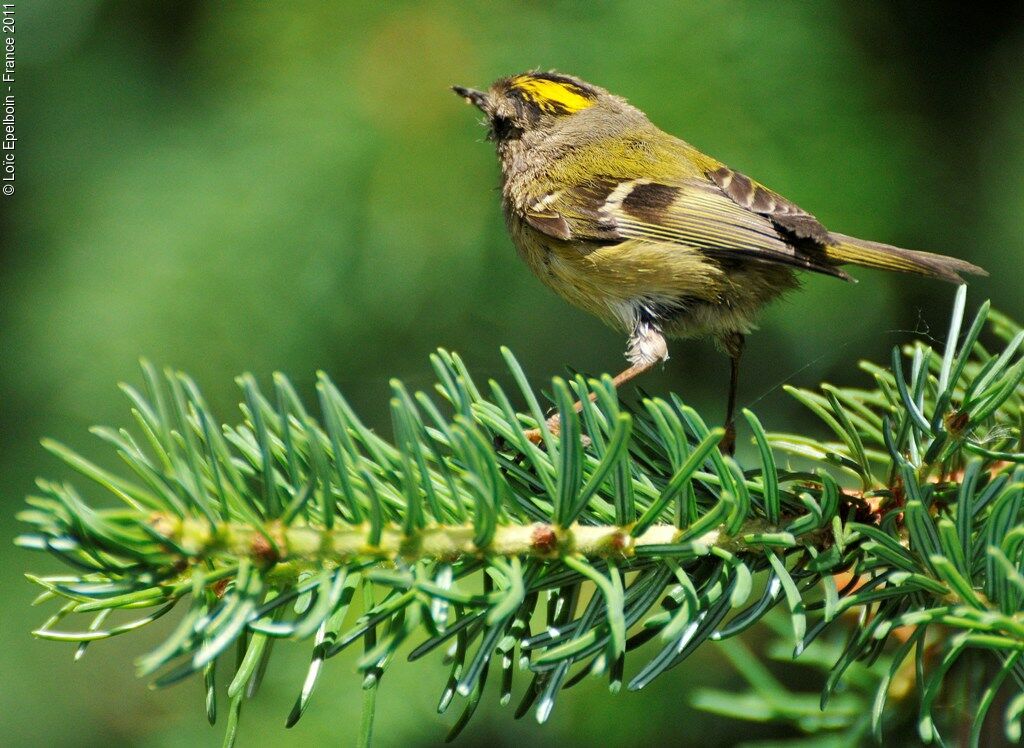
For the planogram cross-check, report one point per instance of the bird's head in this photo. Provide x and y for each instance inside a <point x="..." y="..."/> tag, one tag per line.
<point x="536" y="103"/>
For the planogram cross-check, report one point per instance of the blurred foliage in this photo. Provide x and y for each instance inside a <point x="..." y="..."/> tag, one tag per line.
<point x="271" y="186"/>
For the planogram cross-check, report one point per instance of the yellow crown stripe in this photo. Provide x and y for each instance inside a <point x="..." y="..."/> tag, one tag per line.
<point x="552" y="95"/>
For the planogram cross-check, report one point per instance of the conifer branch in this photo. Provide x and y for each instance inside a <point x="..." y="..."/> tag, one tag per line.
<point x="462" y="535"/>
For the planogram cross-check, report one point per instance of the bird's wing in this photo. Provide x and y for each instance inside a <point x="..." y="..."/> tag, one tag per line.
<point x="724" y="216"/>
<point x="757" y="198"/>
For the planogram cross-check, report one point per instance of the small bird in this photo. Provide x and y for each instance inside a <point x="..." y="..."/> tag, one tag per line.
<point x="650" y="234"/>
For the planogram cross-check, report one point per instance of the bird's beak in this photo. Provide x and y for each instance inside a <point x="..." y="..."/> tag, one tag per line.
<point x="472" y="96"/>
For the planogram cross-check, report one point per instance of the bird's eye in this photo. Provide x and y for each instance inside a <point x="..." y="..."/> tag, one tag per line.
<point x="502" y="128"/>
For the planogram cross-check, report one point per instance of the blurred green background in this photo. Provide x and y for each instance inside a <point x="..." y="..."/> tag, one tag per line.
<point x="285" y="186"/>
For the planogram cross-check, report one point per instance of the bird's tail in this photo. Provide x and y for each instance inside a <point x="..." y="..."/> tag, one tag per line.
<point x="848" y="249"/>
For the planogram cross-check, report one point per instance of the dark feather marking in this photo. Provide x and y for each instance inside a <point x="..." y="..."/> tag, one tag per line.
<point x="536" y="107"/>
<point x="802" y="261"/>
<point x="590" y="197"/>
<point x="596" y="190"/>
<point x="785" y="214"/>
<point x="552" y="224"/>
<point x="573" y="84"/>
<point x="762" y="202"/>
<point x="648" y="202"/>
<point x="740" y="189"/>
<point x="586" y="200"/>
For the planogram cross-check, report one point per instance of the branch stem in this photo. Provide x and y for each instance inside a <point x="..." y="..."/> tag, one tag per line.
<point x="275" y="542"/>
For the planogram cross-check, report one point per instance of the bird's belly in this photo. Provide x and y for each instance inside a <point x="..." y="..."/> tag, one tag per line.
<point x="691" y="293"/>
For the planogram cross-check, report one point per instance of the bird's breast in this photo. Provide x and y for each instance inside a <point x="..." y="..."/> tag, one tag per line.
<point x="564" y="268"/>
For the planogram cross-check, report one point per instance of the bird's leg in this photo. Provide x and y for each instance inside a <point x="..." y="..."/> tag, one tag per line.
<point x="647" y="347"/>
<point x="733" y="345"/>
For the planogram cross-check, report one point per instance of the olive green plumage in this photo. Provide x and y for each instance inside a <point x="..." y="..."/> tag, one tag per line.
<point x="643" y="230"/>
